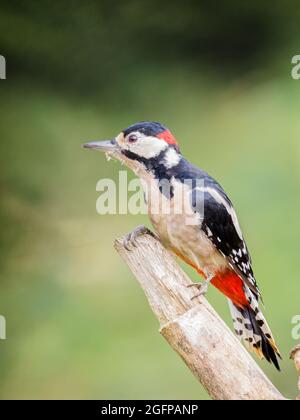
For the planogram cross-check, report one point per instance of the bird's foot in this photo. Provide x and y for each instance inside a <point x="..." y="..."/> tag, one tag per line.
<point x="202" y="287"/>
<point x="130" y="239"/>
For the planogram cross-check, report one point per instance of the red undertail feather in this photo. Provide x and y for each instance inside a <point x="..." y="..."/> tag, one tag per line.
<point x="249" y="322"/>
<point x="232" y="286"/>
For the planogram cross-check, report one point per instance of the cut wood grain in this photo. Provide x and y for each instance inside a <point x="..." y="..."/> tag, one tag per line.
<point x="295" y="355"/>
<point x="193" y="328"/>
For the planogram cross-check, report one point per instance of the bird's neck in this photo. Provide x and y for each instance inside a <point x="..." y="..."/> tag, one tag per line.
<point x="164" y="166"/>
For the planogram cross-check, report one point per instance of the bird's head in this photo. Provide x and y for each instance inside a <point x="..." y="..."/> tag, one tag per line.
<point x="144" y="145"/>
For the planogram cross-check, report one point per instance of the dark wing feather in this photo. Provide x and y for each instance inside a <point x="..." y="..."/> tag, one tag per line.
<point x="221" y="227"/>
<point x="217" y="222"/>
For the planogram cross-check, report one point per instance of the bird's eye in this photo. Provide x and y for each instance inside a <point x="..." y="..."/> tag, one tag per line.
<point x="132" y="139"/>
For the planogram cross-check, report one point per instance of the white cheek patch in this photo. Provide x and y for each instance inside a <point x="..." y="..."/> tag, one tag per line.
<point x="147" y="147"/>
<point x="172" y="158"/>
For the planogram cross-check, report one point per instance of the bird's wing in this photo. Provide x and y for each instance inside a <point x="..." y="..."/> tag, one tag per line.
<point x="220" y="224"/>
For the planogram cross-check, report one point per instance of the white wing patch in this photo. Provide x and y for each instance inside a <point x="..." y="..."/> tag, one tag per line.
<point x="219" y="199"/>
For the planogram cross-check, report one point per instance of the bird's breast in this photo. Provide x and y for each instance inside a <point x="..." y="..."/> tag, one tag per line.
<point x="179" y="227"/>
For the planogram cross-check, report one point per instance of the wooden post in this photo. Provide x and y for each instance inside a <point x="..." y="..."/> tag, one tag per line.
<point x="295" y="355"/>
<point x="193" y="328"/>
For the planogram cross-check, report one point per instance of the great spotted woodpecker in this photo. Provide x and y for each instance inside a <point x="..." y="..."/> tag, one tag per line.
<point x="212" y="242"/>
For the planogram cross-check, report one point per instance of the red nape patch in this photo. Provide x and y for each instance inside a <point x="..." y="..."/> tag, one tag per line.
<point x="231" y="285"/>
<point x="167" y="136"/>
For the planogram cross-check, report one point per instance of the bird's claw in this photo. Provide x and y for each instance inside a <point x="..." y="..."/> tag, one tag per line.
<point x="198" y="285"/>
<point x="130" y="240"/>
<point x="203" y="287"/>
<point x="202" y="291"/>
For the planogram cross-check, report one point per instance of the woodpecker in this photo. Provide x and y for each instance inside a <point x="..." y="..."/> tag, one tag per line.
<point x="211" y="242"/>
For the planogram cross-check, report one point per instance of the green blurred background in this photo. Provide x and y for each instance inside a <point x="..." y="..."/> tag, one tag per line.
<point x="219" y="75"/>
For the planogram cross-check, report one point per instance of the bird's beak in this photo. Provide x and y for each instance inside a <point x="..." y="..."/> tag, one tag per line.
<point x="106" y="146"/>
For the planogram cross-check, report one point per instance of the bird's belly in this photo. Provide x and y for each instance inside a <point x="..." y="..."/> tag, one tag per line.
<point x="181" y="232"/>
<point x="189" y="242"/>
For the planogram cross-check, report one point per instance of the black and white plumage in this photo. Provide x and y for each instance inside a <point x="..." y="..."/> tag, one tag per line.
<point x="213" y="243"/>
<point x="222" y="227"/>
<point x="220" y="222"/>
